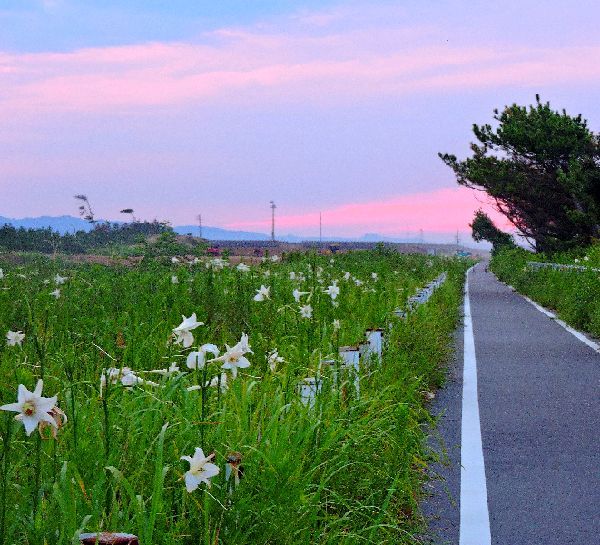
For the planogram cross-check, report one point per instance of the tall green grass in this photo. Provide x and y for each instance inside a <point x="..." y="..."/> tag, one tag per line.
<point x="574" y="294"/>
<point x="346" y="470"/>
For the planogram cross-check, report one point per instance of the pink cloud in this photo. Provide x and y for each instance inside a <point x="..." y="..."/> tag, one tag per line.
<point x="441" y="211"/>
<point x="333" y="65"/>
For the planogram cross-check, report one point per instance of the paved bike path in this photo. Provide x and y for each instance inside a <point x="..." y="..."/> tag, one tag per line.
<point x="540" y="422"/>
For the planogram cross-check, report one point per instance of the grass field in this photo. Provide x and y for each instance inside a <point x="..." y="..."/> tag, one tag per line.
<point x="343" y="466"/>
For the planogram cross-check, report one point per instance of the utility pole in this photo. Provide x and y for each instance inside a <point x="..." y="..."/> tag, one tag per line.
<point x="320" y="228"/>
<point x="273" y="206"/>
<point x="457" y="238"/>
<point x="200" y="225"/>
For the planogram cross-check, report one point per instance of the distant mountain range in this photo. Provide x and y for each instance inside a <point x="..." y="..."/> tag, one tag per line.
<point x="217" y="233"/>
<point x="62" y="224"/>
<point x="70" y="224"/>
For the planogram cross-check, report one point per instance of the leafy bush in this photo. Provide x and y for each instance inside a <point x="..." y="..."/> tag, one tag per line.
<point x="48" y="241"/>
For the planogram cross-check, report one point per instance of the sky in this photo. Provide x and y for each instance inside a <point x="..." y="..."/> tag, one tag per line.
<point x="194" y="107"/>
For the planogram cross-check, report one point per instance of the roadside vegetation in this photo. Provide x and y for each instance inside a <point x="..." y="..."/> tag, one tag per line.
<point x="573" y="293"/>
<point x="204" y="403"/>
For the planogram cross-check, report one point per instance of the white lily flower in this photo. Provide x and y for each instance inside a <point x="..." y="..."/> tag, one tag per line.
<point x="218" y="263"/>
<point x="174" y="279"/>
<point x="60" y="419"/>
<point x="333" y="291"/>
<point x="129" y="378"/>
<point x="183" y="333"/>
<point x="586" y="258"/>
<point x="243" y="344"/>
<point x="126" y="376"/>
<point x="55" y="293"/>
<point x="14" y="337"/>
<point x="112" y="375"/>
<point x="233" y="358"/>
<point x="32" y="407"/>
<point x="242" y="267"/>
<point x="306" y="311"/>
<point x="375" y="276"/>
<point x="188" y="323"/>
<point x="267" y="273"/>
<point x="174" y="260"/>
<point x="215" y="382"/>
<point x="197" y="360"/>
<point x="336" y="325"/>
<point x="297" y="294"/>
<point x="262" y="293"/>
<point x="58" y="279"/>
<point x="347" y="276"/>
<point x="234" y="361"/>
<point x="1" y="274"/>
<point x="275" y="258"/>
<point x="358" y="282"/>
<point x="273" y="359"/>
<point x="292" y="275"/>
<point x="201" y="470"/>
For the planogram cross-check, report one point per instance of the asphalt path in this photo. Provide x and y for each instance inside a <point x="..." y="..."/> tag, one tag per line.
<point x="540" y="426"/>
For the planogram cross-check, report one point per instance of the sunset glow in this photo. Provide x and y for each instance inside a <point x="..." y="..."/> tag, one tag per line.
<point x="442" y="211"/>
<point x="332" y="107"/>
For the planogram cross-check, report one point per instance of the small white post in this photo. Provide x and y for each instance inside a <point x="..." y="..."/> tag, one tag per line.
<point x="364" y="351"/>
<point x="375" y="342"/>
<point x="309" y="388"/>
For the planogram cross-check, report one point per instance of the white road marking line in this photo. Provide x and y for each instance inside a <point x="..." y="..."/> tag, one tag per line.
<point x="474" y="513"/>
<point x="593" y="345"/>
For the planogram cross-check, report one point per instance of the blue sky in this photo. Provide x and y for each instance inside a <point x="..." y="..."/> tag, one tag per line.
<point x="174" y="108"/>
<point x="62" y="25"/>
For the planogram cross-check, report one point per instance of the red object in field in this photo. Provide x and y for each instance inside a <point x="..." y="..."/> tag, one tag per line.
<point x="213" y="251"/>
<point x="108" y="538"/>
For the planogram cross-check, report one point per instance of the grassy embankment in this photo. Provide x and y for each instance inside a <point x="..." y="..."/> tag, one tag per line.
<point x="573" y="294"/>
